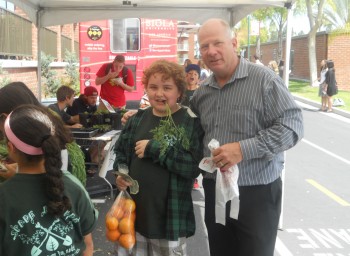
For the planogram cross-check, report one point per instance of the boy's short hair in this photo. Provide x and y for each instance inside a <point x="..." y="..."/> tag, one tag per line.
<point x="119" y="58"/>
<point x="63" y="92"/>
<point x="168" y="69"/>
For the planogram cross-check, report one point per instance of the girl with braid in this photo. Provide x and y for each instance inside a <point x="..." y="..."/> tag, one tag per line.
<point x="44" y="211"/>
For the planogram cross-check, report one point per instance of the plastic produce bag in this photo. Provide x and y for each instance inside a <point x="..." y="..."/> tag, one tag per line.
<point x="226" y="186"/>
<point x="120" y="221"/>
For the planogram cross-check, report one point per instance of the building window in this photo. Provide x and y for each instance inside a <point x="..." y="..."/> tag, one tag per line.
<point x="7" y="5"/>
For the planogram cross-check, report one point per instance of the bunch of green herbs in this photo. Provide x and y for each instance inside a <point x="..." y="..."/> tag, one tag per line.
<point x="168" y="133"/>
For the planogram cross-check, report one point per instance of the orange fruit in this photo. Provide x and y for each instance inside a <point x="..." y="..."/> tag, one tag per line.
<point x="126" y="226"/>
<point x="112" y="223"/>
<point x="129" y="205"/>
<point x="118" y="212"/>
<point x="127" y="241"/>
<point x="112" y="235"/>
<point x="121" y="202"/>
<point x="131" y="215"/>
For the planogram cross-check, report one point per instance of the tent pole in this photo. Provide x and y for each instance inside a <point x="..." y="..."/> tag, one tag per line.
<point x="286" y="80"/>
<point x="39" y="31"/>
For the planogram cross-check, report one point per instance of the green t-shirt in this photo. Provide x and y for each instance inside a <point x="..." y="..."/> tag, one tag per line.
<point x="28" y="229"/>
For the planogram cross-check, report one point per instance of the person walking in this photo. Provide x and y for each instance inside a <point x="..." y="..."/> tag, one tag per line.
<point x="257" y="60"/>
<point x="322" y="92"/>
<point x="250" y="111"/>
<point x="331" y="84"/>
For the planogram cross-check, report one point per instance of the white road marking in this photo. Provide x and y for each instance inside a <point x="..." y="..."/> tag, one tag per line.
<point x="326" y="151"/>
<point x="281" y="249"/>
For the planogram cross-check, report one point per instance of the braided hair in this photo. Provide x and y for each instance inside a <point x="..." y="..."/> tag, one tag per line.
<point x="35" y="137"/>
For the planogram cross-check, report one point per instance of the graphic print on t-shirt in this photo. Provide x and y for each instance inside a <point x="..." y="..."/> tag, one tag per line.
<point x="47" y="238"/>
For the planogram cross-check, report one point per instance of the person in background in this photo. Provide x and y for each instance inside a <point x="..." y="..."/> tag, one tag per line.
<point x="281" y="68"/>
<point x="257" y="60"/>
<point x="192" y="78"/>
<point x="273" y="66"/>
<point x="204" y="71"/>
<point x="86" y="103"/>
<point x="144" y="102"/>
<point x="330" y="84"/>
<point x="65" y="98"/>
<point x="322" y="92"/>
<point x="164" y="212"/>
<point x="249" y="110"/>
<point x="187" y="62"/>
<point x="16" y="94"/>
<point x="50" y="205"/>
<point x="115" y="78"/>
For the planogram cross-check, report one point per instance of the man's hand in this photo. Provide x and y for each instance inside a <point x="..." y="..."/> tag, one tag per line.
<point x="227" y="156"/>
<point x="140" y="148"/>
<point x="127" y="115"/>
<point x="112" y="74"/>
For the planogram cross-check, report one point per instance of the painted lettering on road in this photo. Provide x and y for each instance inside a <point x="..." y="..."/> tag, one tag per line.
<point x="319" y="242"/>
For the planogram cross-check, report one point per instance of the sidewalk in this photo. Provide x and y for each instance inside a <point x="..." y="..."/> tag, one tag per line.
<point x="318" y="105"/>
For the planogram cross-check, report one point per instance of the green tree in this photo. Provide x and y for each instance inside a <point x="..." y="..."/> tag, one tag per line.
<point x="336" y="15"/>
<point x="315" y="21"/>
<point x="71" y="71"/>
<point x="261" y="16"/>
<point x="51" y="83"/>
<point x="4" y="80"/>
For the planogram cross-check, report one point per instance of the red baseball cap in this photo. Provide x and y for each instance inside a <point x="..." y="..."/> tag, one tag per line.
<point x="90" y="91"/>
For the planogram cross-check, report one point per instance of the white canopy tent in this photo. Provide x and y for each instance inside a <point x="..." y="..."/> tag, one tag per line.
<point x="57" y="12"/>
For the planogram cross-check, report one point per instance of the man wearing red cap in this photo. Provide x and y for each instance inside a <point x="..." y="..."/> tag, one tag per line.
<point x="85" y="103"/>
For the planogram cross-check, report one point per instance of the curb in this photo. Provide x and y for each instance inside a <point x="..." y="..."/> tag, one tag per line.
<point x="318" y="105"/>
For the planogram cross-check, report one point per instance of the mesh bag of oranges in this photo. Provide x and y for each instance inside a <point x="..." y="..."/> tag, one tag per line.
<point x="120" y="221"/>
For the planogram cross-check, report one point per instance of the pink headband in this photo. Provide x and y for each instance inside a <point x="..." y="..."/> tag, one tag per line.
<point x="20" y="145"/>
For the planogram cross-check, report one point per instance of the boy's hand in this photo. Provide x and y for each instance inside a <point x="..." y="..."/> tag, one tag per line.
<point x="140" y="148"/>
<point x="121" y="183"/>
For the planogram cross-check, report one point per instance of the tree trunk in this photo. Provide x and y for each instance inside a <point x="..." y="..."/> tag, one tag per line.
<point x="312" y="56"/>
<point x="315" y="23"/>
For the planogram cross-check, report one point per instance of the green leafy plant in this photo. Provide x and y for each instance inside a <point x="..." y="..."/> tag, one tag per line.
<point x="4" y="80"/>
<point x="77" y="160"/>
<point x="168" y="133"/>
<point x="3" y="150"/>
<point x="100" y="112"/>
<point x="102" y="127"/>
<point x="71" y="71"/>
<point x="49" y="75"/>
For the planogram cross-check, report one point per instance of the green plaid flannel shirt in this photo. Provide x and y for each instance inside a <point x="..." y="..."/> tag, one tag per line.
<point x="182" y="165"/>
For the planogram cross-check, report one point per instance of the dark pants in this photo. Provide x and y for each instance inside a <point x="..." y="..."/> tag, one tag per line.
<point x="255" y="231"/>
